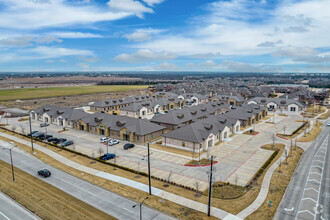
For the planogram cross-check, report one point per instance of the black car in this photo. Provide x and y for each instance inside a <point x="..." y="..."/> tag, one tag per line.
<point x="58" y="140"/>
<point x="128" y="146"/>
<point x="66" y="143"/>
<point x="51" y="139"/>
<point x="39" y="135"/>
<point x="31" y="133"/>
<point x="44" y="173"/>
<point x="44" y="124"/>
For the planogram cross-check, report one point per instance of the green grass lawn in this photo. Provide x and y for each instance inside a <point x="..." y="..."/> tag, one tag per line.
<point x="34" y="93"/>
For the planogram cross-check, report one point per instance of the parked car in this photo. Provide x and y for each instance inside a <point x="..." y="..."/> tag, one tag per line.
<point x="328" y="124"/>
<point x="51" y="139"/>
<point x="104" y="139"/>
<point x="128" y="146"/>
<point x="59" y="140"/>
<point x="31" y="133"/>
<point x="66" y="143"/>
<point x="44" y="124"/>
<point x="44" y="173"/>
<point x="107" y="156"/>
<point x="113" y="142"/>
<point x="38" y="135"/>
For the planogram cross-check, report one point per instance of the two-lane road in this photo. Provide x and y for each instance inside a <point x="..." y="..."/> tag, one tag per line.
<point x="308" y="194"/>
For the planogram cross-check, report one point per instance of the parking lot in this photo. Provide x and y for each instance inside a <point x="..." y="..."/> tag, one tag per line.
<point x="239" y="158"/>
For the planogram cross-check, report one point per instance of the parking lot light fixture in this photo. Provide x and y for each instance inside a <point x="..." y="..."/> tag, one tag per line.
<point x="31" y="132"/>
<point x="11" y="158"/>
<point x="140" y="204"/>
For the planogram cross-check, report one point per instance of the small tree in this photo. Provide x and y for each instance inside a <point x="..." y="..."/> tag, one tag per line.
<point x="284" y="129"/>
<point x="279" y="166"/>
<point x="286" y="156"/>
<point x="197" y="185"/>
<point x="168" y="179"/>
<point x="274" y="139"/>
<point x="13" y="127"/>
<point x="100" y="151"/>
<point x="236" y="179"/>
<point x="74" y="148"/>
<point x="22" y="128"/>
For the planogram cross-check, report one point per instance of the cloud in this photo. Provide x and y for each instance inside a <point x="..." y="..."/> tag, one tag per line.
<point x="270" y="43"/>
<point x="83" y="65"/>
<point x="295" y="52"/>
<point x="142" y="34"/>
<point x="22" y="41"/>
<point x="49" y="61"/>
<point x="74" y="35"/>
<point x="153" y="2"/>
<point x="167" y="67"/>
<point x="144" y="56"/>
<point x="19" y="14"/>
<point x="301" y="23"/>
<point x="130" y="6"/>
<point x="209" y="64"/>
<point x="89" y="59"/>
<point x="54" y="52"/>
<point x="244" y="67"/>
<point x="247" y="28"/>
<point x="27" y="40"/>
<point x="206" y="55"/>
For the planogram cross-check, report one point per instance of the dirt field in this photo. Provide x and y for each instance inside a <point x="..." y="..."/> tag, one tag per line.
<point x="279" y="182"/>
<point x="43" y="199"/>
<point x="35" y="93"/>
<point x="60" y="81"/>
<point x="80" y="100"/>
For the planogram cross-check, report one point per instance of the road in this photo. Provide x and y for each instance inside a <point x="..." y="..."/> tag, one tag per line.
<point x="9" y="209"/>
<point x="308" y="194"/>
<point x="100" y="198"/>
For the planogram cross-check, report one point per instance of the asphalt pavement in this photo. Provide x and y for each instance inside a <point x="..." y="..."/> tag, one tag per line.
<point x="308" y="194"/>
<point x="11" y="210"/>
<point x="111" y="203"/>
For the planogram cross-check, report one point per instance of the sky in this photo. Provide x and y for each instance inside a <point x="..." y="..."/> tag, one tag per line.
<point x="165" y="35"/>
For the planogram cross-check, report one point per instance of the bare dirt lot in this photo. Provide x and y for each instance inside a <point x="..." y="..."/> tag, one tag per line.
<point x="44" y="200"/>
<point x="79" y="100"/>
<point x="60" y="81"/>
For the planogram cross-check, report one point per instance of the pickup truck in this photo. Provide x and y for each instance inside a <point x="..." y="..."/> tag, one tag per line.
<point x="107" y="156"/>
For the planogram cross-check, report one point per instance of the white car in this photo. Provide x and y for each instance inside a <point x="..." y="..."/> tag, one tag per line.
<point x="113" y="142"/>
<point x="105" y="139"/>
<point x="328" y="124"/>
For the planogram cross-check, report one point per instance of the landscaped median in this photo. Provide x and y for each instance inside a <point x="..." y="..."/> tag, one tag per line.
<point x="313" y="133"/>
<point x="296" y="132"/>
<point x="202" y="163"/>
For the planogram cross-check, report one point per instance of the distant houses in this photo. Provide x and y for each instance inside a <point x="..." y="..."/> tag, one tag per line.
<point x="282" y="104"/>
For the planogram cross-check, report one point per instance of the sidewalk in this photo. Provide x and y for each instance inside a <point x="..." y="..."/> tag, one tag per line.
<point x="264" y="189"/>
<point x="137" y="185"/>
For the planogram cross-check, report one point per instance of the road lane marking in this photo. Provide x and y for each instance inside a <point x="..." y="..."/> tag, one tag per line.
<point x="5" y="216"/>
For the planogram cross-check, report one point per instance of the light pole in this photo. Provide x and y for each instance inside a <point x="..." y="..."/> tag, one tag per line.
<point x="11" y="159"/>
<point x="31" y="132"/>
<point x="149" y="176"/>
<point x="140" y="204"/>
<point x="210" y="186"/>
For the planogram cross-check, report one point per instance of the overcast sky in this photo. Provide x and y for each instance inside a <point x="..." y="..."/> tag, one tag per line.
<point x="170" y="35"/>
